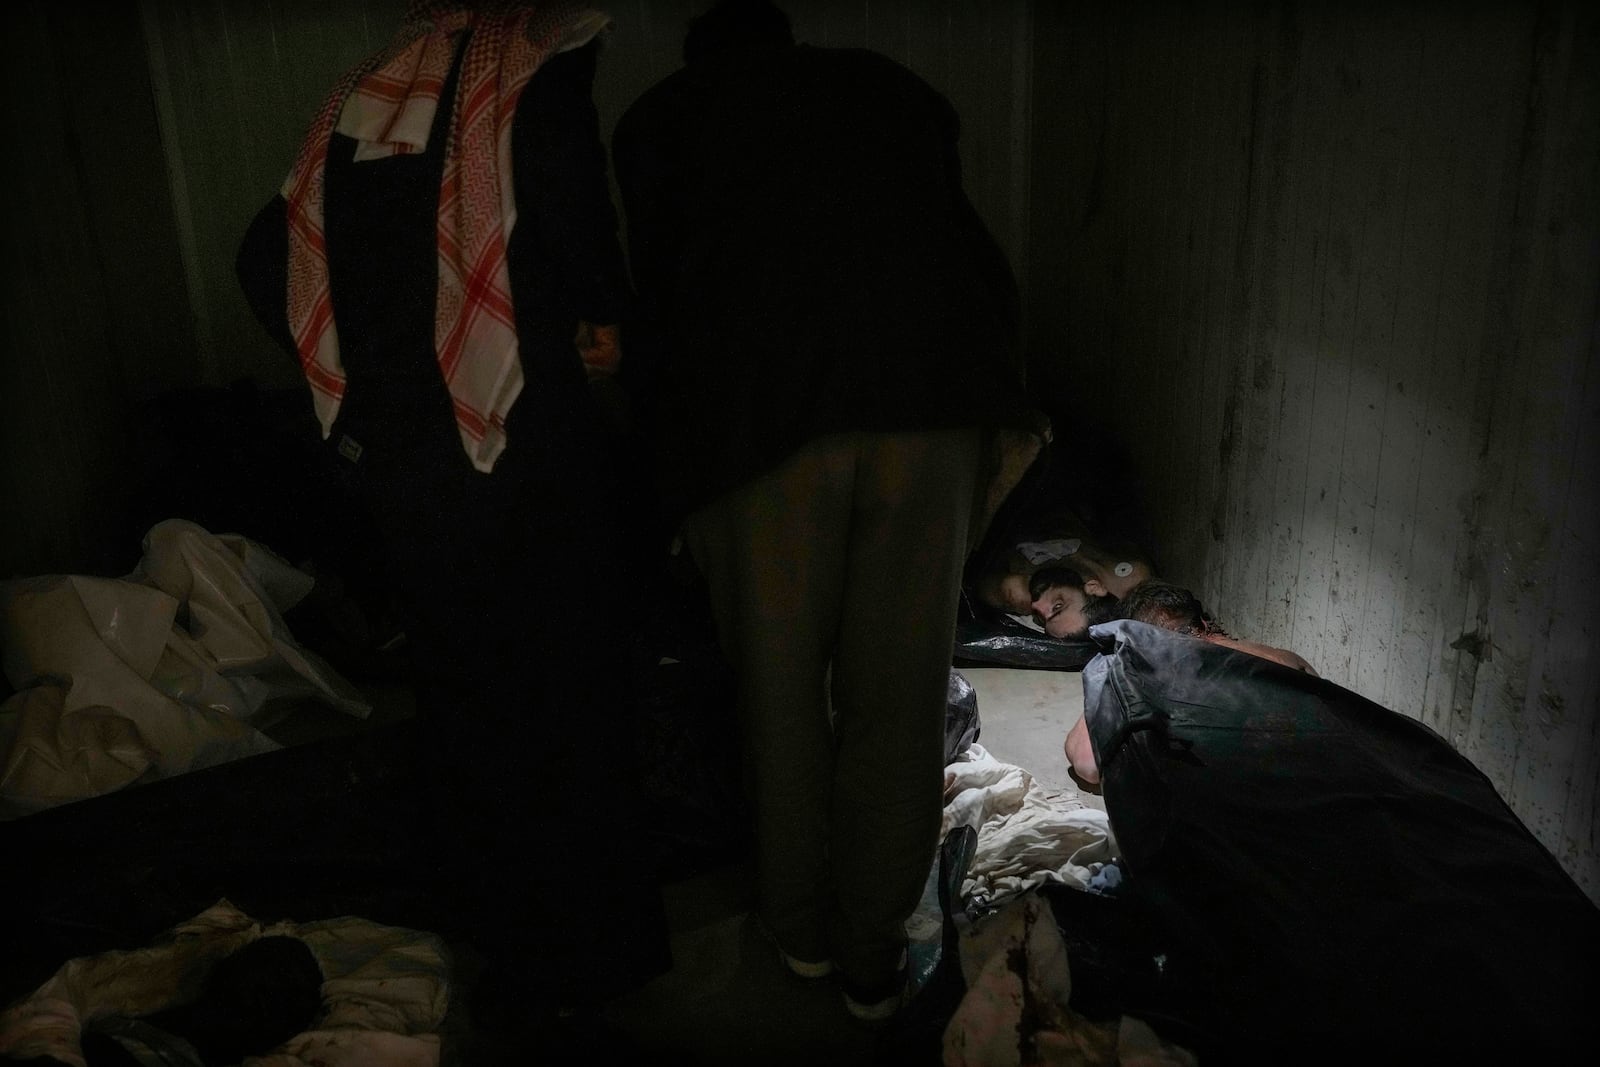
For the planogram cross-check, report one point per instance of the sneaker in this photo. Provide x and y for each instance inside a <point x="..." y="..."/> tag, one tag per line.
<point x="796" y="965"/>
<point x="805" y="968"/>
<point x="875" y="1011"/>
<point x="880" y="1003"/>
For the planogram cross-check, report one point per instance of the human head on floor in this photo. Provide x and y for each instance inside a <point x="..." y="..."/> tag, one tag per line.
<point x="1066" y="604"/>
<point x="1168" y="606"/>
<point x="1001" y="580"/>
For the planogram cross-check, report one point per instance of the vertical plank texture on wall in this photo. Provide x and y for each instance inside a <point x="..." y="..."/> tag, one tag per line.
<point x="236" y="85"/>
<point x="1533" y="716"/>
<point x="96" y="318"/>
<point x="1328" y="278"/>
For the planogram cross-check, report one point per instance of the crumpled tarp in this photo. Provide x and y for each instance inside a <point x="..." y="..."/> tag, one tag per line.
<point x="172" y="668"/>
<point x="1007" y="642"/>
<point x="1027" y="834"/>
<point x="384" y="996"/>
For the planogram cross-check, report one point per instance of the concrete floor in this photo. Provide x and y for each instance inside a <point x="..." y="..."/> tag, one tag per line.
<point x="1025" y="715"/>
<point x="729" y="999"/>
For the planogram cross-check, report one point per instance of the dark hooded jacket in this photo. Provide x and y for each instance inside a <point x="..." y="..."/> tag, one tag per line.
<point x="807" y="262"/>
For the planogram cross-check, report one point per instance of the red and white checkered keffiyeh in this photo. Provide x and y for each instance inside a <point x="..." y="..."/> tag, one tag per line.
<point x="387" y="103"/>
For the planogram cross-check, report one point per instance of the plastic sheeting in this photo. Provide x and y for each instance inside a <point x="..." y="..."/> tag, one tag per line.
<point x="174" y="667"/>
<point x="1334" y="880"/>
<point x="961" y="722"/>
<point x="1027" y="835"/>
<point x="1005" y="643"/>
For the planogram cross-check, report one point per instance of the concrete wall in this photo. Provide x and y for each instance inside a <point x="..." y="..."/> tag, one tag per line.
<point x="96" y="319"/>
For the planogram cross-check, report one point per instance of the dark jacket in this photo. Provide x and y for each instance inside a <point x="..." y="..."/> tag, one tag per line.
<point x="806" y="261"/>
<point x="1324" y="876"/>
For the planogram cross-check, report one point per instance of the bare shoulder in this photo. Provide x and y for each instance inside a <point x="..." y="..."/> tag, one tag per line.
<point x="1276" y="655"/>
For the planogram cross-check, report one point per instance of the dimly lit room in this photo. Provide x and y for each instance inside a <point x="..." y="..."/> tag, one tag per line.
<point x="1213" y="381"/>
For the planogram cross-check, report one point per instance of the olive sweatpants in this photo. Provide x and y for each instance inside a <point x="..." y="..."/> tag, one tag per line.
<point x="834" y="580"/>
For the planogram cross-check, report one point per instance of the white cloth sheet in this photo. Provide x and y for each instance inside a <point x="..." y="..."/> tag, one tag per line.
<point x="1027" y="834"/>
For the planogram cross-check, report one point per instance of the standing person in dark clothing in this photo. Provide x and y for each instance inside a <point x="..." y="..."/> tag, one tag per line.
<point x="444" y="263"/>
<point x="829" y="332"/>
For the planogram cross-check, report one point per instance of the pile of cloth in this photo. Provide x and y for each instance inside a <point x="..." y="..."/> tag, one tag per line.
<point x="177" y="666"/>
<point x="223" y="988"/>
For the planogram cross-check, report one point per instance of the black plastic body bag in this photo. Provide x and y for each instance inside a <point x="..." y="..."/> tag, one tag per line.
<point x="1331" y="880"/>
